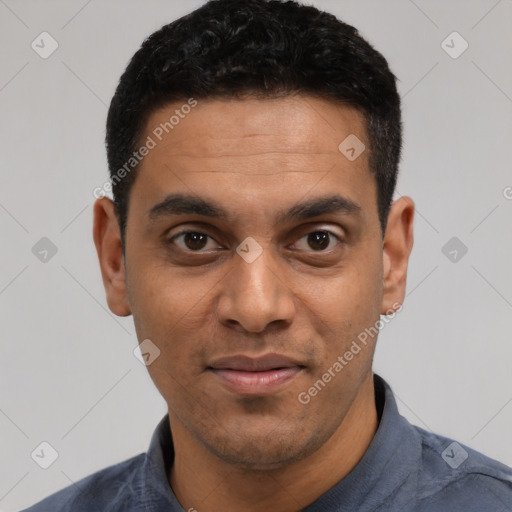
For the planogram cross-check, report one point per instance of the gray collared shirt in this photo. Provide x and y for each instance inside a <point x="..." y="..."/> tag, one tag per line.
<point x="405" y="469"/>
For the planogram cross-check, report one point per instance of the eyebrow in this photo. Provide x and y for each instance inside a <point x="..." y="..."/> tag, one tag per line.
<point x="184" y="204"/>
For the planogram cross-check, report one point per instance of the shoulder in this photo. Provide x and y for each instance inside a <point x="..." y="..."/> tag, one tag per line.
<point x="454" y="476"/>
<point x="106" y="490"/>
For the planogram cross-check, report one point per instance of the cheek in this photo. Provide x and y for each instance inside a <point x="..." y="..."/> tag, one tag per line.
<point x="343" y="310"/>
<point x="176" y="314"/>
<point x="352" y="297"/>
<point x="163" y="298"/>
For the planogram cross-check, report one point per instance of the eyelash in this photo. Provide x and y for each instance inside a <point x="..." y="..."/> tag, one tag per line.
<point x="174" y="237"/>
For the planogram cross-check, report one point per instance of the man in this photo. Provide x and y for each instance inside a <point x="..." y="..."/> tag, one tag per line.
<point x="253" y="148"/>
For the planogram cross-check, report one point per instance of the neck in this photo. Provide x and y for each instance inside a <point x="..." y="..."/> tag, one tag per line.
<point x="202" y="481"/>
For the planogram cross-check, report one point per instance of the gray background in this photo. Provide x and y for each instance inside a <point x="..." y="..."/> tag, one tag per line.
<point x="68" y="374"/>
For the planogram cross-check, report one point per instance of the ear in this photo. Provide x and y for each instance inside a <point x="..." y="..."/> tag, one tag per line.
<point x="107" y="238"/>
<point x="398" y="242"/>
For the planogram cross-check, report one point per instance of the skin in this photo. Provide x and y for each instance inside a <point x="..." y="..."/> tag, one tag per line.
<point x="201" y="302"/>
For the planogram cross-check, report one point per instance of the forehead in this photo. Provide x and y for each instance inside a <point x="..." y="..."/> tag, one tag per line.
<point x="255" y="155"/>
<point x="230" y="127"/>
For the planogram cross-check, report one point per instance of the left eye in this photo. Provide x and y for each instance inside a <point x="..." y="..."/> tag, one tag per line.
<point x="319" y="240"/>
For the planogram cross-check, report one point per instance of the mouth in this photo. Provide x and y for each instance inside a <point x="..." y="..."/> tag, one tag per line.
<point x="256" y="376"/>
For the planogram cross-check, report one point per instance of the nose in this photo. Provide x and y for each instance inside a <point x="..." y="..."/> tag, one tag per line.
<point x="254" y="295"/>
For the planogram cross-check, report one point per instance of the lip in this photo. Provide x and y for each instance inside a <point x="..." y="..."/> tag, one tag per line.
<point x="256" y="376"/>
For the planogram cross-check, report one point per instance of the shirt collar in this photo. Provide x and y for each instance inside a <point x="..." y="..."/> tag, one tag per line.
<point x="156" y="492"/>
<point x="390" y="462"/>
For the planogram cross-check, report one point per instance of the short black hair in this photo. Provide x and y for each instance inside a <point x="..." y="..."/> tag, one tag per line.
<point x="264" y="48"/>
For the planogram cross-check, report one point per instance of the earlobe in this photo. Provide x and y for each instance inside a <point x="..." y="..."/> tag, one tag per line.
<point x="107" y="239"/>
<point x="397" y="247"/>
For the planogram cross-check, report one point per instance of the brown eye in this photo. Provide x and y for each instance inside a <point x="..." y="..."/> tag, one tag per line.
<point x="318" y="241"/>
<point x="195" y="241"/>
<point x="191" y="240"/>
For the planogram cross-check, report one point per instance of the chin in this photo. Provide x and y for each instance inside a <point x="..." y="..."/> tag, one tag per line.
<point x="258" y="451"/>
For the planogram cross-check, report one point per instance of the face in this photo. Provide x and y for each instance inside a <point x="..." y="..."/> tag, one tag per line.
<point x="257" y="275"/>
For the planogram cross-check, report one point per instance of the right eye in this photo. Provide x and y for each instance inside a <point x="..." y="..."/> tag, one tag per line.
<point x="190" y="241"/>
